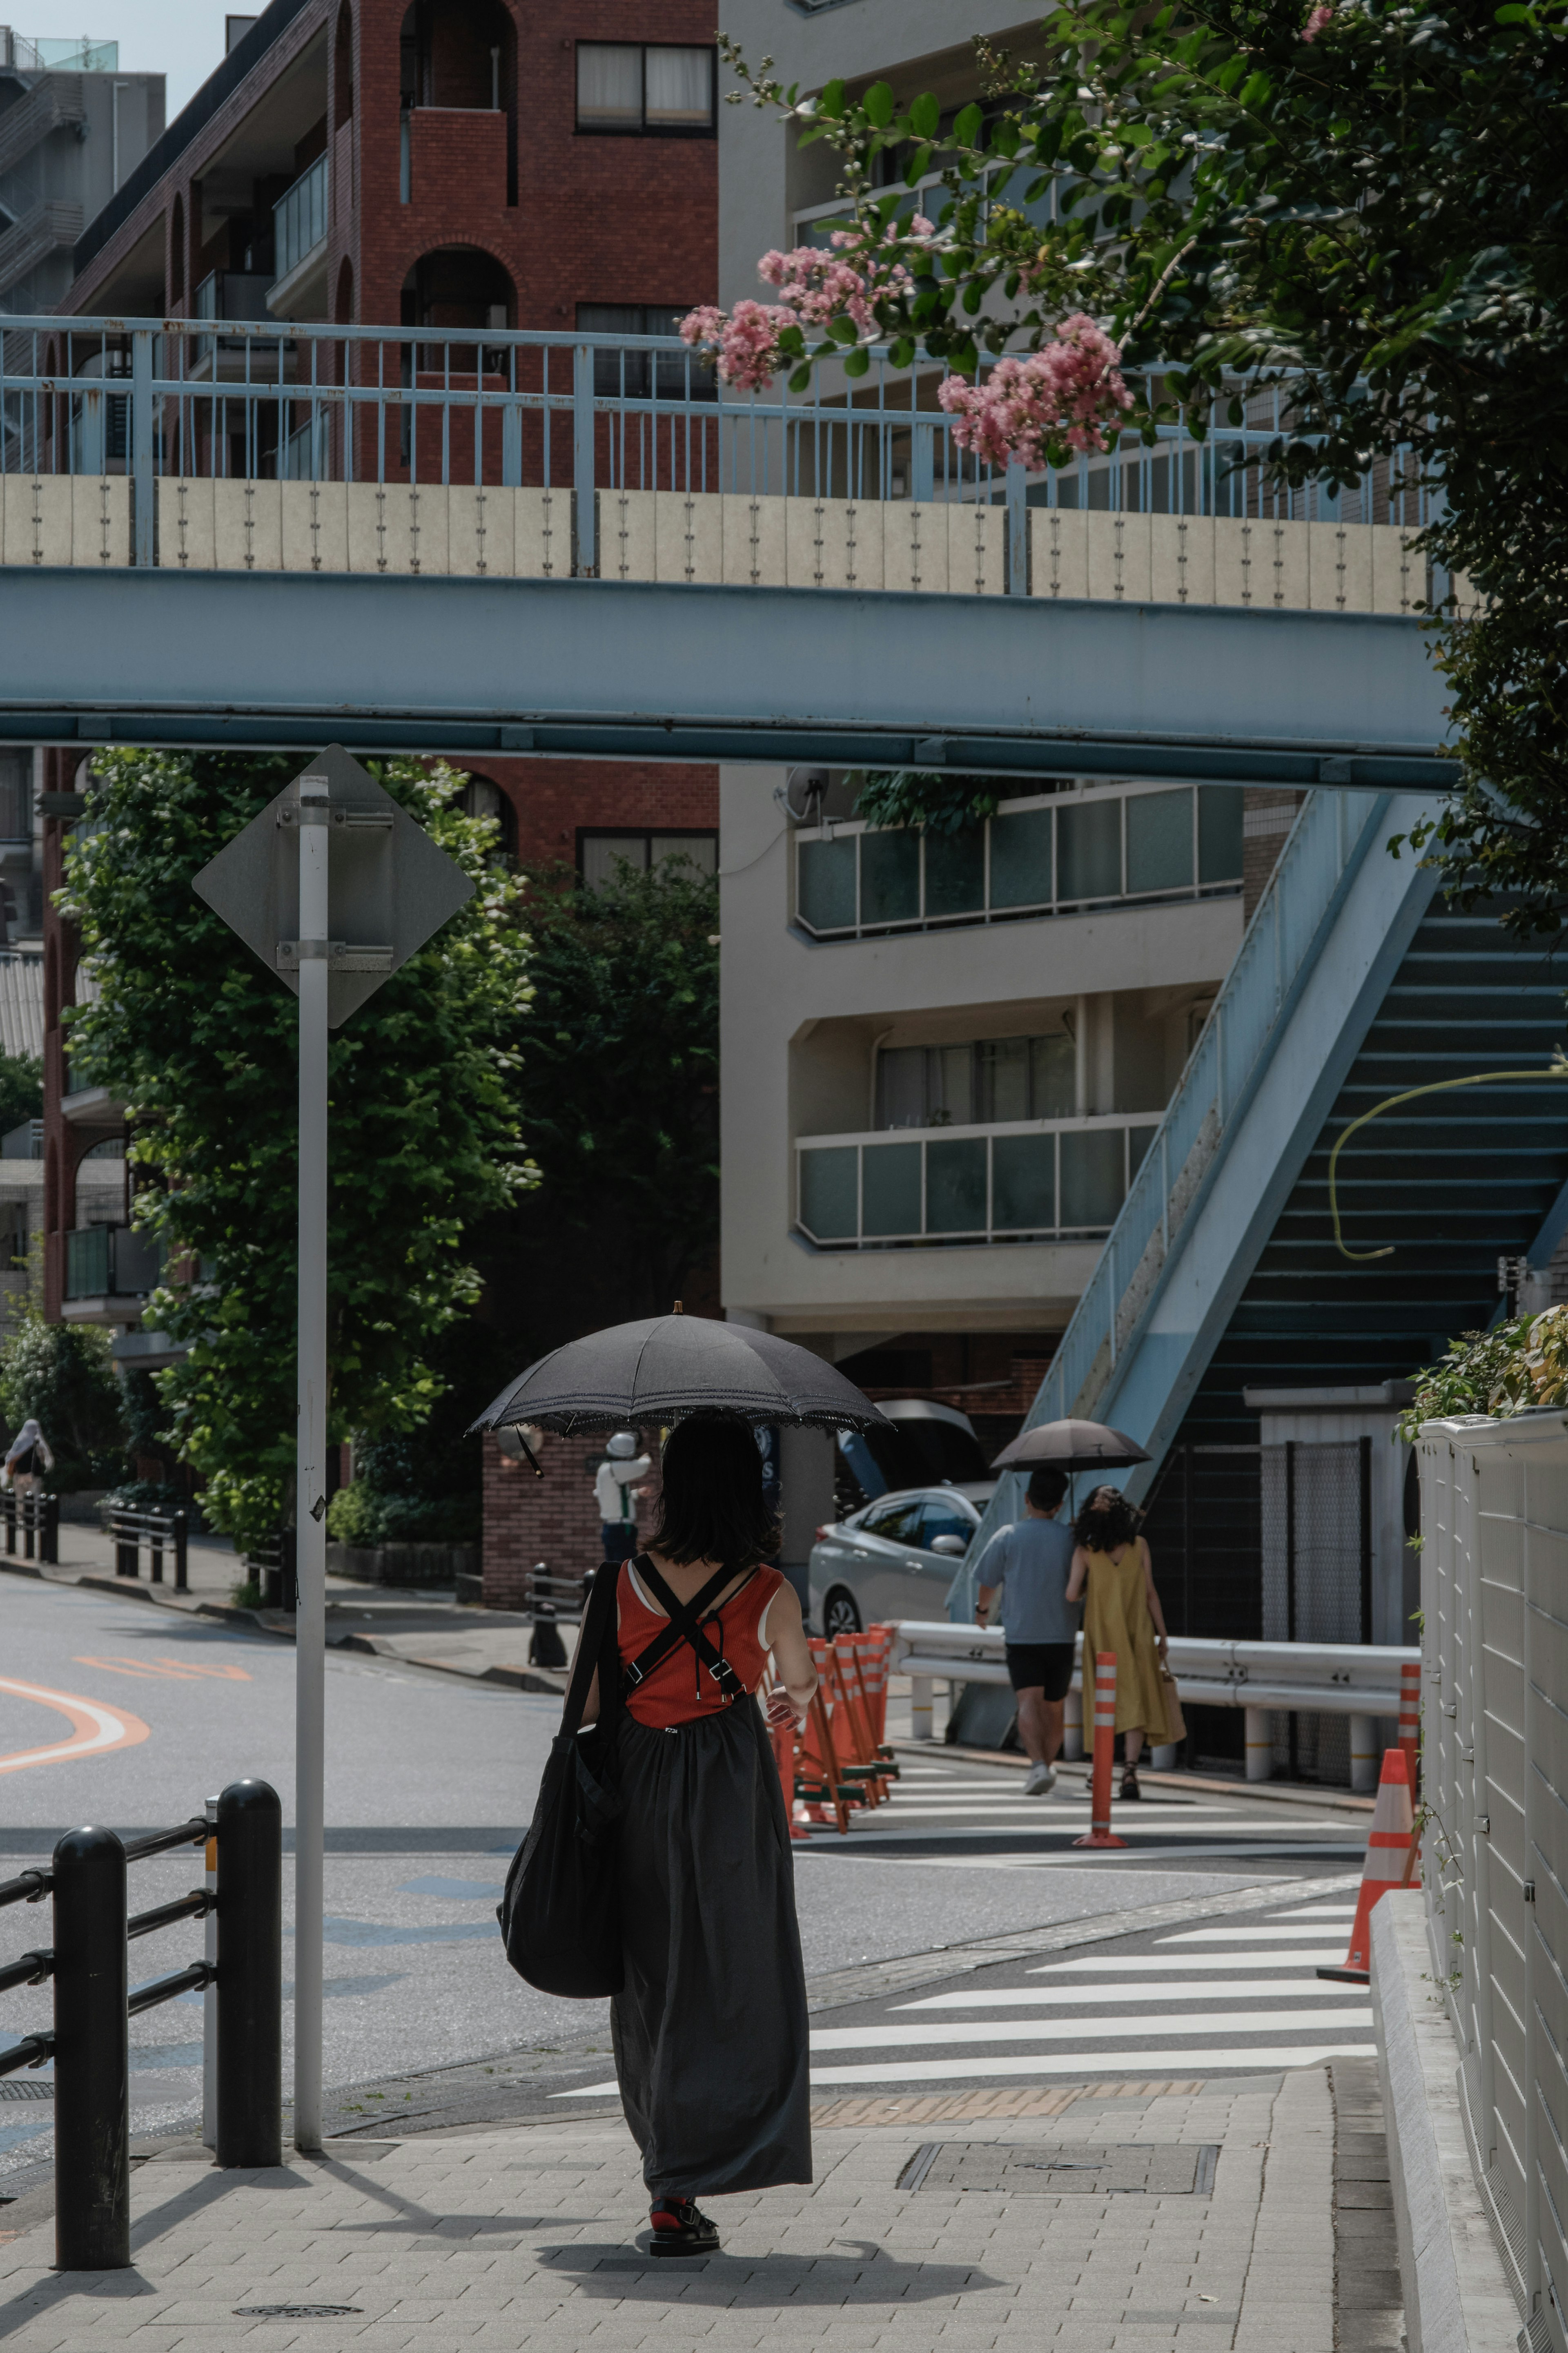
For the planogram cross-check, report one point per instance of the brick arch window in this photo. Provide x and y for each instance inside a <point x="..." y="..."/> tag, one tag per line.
<point x="481" y="797"/>
<point x="344" y="301"/>
<point x="177" y="251"/>
<point x="458" y="286"/>
<point x="343" y="68"/>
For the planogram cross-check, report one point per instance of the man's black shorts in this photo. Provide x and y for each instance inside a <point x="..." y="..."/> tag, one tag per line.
<point x="1041" y="1666"/>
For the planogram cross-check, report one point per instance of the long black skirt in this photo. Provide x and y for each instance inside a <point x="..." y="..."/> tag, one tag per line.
<point x="711" y="2031"/>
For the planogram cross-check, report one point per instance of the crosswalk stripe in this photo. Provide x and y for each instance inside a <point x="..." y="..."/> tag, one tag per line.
<point x="1228" y="2059"/>
<point x="1063" y="1857"/>
<point x="1052" y="2030"/>
<point x="1169" y="1990"/>
<point x="1320" y="1957"/>
<point x="1274" y="1934"/>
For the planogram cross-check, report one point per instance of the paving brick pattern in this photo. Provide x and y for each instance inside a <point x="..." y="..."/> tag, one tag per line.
<point x="528" y="2238"/>
<point x="1368" y="2295"/>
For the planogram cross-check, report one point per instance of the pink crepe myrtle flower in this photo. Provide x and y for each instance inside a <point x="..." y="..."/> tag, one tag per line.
<point x="1069" y="391"/>
<point x="818" y="284"/>
<point x="1316" y="23"/>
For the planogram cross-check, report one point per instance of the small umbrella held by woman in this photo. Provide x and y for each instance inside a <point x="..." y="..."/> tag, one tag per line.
<point x="1123" y="1613"/>
<point x="26" y="1459"/>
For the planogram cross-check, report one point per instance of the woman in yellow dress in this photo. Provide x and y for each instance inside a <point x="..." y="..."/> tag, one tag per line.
<point x="1123" y="1613"/>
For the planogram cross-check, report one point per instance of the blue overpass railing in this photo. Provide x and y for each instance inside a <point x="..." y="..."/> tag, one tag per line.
<point x="238" y="398"/>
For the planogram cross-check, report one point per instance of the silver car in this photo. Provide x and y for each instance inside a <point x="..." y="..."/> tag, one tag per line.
<point x="894" y="1558"/>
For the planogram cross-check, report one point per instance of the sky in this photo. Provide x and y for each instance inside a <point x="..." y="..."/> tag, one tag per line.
<point x="182" y="39"/>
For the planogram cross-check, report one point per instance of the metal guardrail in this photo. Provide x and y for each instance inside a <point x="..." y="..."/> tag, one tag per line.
<point x="159" y="1531"/>
<point x="89" y="2045"/>
<point x="191" y="399"/>
<point x="273" y="1567"/>
<point x="35" y="1519"/>
<point x="1355" y="1679"/>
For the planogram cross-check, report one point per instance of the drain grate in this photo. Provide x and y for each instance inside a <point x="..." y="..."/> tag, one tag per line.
<point x="1122" y="2168"/>
<point x="18" y="2087"/>
<point x="297" y="2311"/>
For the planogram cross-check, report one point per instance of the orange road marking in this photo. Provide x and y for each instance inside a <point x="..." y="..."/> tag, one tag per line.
<point x="95" y="1729"/>
<point x="179" y="1670"/>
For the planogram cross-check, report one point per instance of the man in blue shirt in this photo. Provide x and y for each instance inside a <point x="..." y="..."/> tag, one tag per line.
<point x="1023" y="1580"/>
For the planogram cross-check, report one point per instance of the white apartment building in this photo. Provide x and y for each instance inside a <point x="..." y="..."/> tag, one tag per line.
<point x="943" y="1056"/>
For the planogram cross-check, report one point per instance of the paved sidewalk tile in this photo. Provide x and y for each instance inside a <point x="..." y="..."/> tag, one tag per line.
<point x="525" y="2237"/>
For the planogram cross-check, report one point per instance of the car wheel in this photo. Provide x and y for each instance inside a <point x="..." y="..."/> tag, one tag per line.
<point x="840" y="1614"/>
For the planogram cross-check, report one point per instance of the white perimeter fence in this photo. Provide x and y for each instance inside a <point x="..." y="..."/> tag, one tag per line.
<point x="1494" y="1597"/>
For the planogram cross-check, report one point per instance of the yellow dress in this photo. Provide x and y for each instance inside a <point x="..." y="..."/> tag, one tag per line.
<point x="1116" y="1617"/>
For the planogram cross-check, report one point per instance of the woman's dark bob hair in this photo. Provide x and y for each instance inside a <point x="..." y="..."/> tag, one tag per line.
<point x="711" y="1506"/>
<point x="1115" y="1522"/>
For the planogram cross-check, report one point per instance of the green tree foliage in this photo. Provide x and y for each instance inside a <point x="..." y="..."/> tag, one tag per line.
<point x="63" y="1375"/>
<point x="1364" y="201"/>
<point x="616" y="1084"/>
<point x="21" y="1090"/>
<point x="199" y="1042"/>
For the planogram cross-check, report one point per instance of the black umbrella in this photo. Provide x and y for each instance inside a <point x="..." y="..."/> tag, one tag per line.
<point x="668" y="1365"/>
<point x="1070" y="1446"/>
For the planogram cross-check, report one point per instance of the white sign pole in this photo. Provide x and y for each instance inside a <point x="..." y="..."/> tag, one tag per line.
<point x="310" y="1623"/>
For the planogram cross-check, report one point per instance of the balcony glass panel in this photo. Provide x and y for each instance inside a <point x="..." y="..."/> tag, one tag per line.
<point x="1021" y="859"/>
<point x="828" y="884"/>
<point x="1023" y="1182"/>
<point x="955" y="1186"/>
<point x="1219" y="833"/>
<point x="1092" y="1184"/>
<point x="1138" y="1139"/>
<point x="891" y="1181"/>
<point x="1159" y="842"/>
<point x="955" y="872"/>
<point x="1088" y="846"/>
<point x="87" y="1263"/>
<point x="300" y="218"/>
<point x="891" y="877"/>
<point x="829" y="1193"/>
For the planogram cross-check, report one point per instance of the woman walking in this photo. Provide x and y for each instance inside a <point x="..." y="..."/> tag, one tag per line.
<point x="710" y="2030"/>
<point x="1123" y="1613"/>
<point x="27" y="1459"/>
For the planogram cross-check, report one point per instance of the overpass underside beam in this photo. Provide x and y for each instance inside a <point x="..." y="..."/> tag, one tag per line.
<point x="647" y="671"/>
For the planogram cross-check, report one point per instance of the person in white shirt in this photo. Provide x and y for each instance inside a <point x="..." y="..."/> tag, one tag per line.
<point x="622" y="1470"/>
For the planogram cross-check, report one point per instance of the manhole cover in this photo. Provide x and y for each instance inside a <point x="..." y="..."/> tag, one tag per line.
<point x="297" y="2311"/>
<point x="1137" y="2169"/>
<point x="16" y="2087"/>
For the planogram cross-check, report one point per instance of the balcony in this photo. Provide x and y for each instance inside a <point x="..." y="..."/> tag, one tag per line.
<point x="110" y="1270"/>
<point x="299" y="221"/>
<point x="1046" y="856"/>
<point x="239" y="294"/>
<point x="1016" y="1181"/>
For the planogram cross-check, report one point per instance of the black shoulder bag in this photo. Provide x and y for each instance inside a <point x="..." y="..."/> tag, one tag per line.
<point x="561" y="1912"/>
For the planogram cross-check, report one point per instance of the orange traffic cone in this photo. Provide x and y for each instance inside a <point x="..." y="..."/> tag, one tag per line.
<point x="1393" y="1824"/>
<point x="1410" y="1720"/>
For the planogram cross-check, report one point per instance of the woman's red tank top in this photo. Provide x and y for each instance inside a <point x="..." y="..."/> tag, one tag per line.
<point x="680" y="1688"/>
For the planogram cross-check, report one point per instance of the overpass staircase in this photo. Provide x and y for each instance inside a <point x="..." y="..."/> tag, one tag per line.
<point x="1354" y="982"/>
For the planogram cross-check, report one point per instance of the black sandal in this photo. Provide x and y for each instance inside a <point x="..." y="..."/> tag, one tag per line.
<point x="678" y="2229"/>
<point x="1130" y="1783"/>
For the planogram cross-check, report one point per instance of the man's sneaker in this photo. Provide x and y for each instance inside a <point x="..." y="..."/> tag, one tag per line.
<point x="679" y="2230"/>
<point x="1040" y="1782"/>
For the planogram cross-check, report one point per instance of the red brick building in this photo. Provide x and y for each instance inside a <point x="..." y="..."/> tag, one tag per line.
<point x="449" y="163"/>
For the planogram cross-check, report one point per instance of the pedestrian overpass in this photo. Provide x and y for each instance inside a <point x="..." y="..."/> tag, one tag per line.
<point x="214" y="532"/>
<point x="484" y="543"/>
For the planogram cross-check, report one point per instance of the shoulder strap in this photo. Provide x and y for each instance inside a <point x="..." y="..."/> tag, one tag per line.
<point x="685" y="1626"/>
<point x="593" y="1650"/>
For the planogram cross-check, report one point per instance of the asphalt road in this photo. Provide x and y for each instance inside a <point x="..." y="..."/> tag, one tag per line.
<point x="429" y="1783"/>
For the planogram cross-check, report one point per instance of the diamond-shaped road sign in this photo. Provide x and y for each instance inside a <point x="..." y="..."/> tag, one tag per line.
<point x="390" y="886"/>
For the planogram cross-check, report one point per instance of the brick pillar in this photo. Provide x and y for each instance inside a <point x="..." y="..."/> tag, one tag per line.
<point x="554" y="1520"/>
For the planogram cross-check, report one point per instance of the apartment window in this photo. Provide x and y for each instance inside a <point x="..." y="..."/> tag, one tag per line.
<point x="643" y="375"/>
<point x="986" y="1082"/>
<point x="636" y="86"/>
<point x="601" y="854"/>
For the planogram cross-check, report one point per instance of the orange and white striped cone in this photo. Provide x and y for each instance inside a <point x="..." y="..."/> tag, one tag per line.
<point x="1410" y="1722"/>
<point x="1100" y="1832"/>
<point x="1387" y="1847"/>
<point x="783" y="1738"/>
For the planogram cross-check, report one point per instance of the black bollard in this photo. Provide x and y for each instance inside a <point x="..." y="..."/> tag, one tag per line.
<point x="92" y="2131"/>
<point x="249" y="1975"/>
